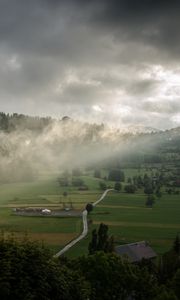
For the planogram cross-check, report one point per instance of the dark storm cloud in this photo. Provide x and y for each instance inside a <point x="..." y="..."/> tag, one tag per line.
<point x="89" y="57"/>
<point x="45" y="25"/>
<point x="147" y="21"/>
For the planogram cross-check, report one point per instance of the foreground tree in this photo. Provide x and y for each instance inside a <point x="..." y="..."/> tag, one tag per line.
<point x="27" y="271"/>
<point x="114" y="278"/>
<point x="101" y="241"/>
<point x="176" y="245"/>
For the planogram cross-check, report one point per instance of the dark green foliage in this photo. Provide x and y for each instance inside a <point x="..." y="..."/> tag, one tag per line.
<point x="176" y="245"/>
<point x="169" y="263"/>
<point x="63" y="181"/>
<point x="114" y="278"/>
<point x="4" y="121"/>
<point x="176" y="283"/>
<point x="150" y="200"/>
<point x="146" y="179"/>
<point x="27" y="271"/>
<point x="158" y="193"/>
<point x="163" y="294"/>
<point x="148" y="189"/>
<point x="116" y="175"/>
<point x="93" y="244"/>
<point x="152" y="158"/>
<point x="77" y="182"/>
<point x="102" y="185"/>
<point x="89" y="207"/>
<point x="130" y="188"/>
<point x="117" y="186"/>
<point x="12" y="122"/>
<point x="102" y="237"/>
<point x="101" y="241"/>
<point x="139" y="181"/>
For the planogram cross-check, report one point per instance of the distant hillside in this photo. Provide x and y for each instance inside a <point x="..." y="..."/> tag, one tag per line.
<point x="32" y="144"/>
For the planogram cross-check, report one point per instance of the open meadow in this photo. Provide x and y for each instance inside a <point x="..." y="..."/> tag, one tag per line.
<point x="55" y="232"/>
<point x="129" y="220"/>
<point x="126" y="214"/>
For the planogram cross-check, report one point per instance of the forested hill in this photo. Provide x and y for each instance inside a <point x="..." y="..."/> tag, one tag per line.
<point x="86" y="132"/>
<point x="29" y="144"/>
<point x="12" y="122"/>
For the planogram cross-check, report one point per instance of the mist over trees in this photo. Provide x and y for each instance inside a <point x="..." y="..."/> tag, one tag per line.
<point x="29" y="145"/>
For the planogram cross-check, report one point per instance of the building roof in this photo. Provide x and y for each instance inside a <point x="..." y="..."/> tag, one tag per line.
<point x="136" y="251"/>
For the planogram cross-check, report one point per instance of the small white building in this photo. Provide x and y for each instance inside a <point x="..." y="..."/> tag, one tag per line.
<point x="46" y="211"/>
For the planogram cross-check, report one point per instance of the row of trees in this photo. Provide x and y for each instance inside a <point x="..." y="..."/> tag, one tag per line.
<point x="28" y="271"/>
<point x="113" y="175"/>
<point x="72" y="179"/>
<point x="10" y="122"/>
<point x="101" y="241"/>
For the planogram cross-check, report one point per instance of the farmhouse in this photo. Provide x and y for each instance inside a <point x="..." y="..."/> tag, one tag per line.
<point x="136" y="251"/>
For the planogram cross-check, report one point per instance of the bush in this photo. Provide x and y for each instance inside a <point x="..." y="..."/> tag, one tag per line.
<point x="130" y="188"/>
<point x="102" y="185"/>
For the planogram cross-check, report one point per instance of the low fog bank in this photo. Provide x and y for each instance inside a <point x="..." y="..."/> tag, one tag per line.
<point x="25" y="151"/>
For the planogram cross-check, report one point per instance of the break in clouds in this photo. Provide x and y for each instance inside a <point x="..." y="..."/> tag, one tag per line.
<point x="101" y="61"/>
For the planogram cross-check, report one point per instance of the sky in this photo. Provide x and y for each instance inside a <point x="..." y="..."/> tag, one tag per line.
<point x="110" y="61"/>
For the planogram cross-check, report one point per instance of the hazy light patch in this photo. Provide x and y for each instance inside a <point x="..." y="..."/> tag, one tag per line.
<point x="27" y="142"/>
<point x="166" y="75"/>
<point x="13" y="63"/>
<point x="97" y="108"/>
<point x="122" y="110"/>
<point x="167" y="94"/>
<point x="176" y="119"/>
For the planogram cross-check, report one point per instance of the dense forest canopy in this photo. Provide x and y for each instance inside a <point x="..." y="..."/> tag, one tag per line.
<point x="28" y="271"/>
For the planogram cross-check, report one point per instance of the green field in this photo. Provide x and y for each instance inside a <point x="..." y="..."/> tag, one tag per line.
<point x="46" y="193"/>
<point x="130" y="221"/>
<point x="128" y="218"/>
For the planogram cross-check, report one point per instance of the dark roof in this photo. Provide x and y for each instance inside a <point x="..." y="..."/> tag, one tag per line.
<point x="136" y="251"/>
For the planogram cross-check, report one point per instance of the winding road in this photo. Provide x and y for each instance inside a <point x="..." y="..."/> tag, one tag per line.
<point x="85" y="227"/>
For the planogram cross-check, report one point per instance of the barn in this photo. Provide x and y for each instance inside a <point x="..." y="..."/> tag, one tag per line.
<point x="135" y="252"/>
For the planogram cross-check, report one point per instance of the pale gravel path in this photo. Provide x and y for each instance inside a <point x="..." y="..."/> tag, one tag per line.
<point x="85" y="227"/>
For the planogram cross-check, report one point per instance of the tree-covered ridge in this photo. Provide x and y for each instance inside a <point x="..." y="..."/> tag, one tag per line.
<point x="28" y="271"/>
<point x="29" y="144"/>
<point x="11" y="122"/>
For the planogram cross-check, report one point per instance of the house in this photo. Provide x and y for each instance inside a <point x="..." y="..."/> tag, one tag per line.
<point x="135" y="252"/>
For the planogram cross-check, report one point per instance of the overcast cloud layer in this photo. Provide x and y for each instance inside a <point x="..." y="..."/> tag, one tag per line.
<point x="112" y="61"/>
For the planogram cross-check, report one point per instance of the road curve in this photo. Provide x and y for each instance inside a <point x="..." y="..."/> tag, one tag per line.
<point x="85" y="227"/>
